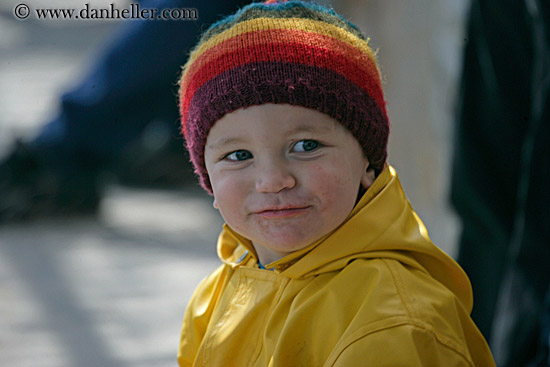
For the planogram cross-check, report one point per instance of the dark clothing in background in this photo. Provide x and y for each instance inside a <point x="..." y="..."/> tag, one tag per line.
<point x="501" y="175"/>
<point x="132" y="87"/>
<point x="121" y="118"/>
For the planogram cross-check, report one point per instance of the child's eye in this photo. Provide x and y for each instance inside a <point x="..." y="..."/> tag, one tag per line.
<point x="306" y="145"/>
<point x="239" y="155"/>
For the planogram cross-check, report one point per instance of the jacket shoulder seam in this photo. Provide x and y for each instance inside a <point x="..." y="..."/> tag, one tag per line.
<point x="415" y="318"/>
<point x="400" y="289"/>
<point x="395" y="322"/>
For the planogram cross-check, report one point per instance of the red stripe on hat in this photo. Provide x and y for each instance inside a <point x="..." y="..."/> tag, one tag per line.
<point x="328" y="52"/>
<point x="283" y="35"/>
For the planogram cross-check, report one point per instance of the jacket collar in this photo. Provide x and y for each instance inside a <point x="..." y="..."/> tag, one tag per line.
<point x="381" y="225"/>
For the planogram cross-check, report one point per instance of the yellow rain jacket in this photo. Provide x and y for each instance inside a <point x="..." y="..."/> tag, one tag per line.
<point x="374" y="292"/>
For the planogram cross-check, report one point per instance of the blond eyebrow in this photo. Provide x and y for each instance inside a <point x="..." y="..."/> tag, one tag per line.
<point x="309" y="128"/>
<point x="220" y="143"/>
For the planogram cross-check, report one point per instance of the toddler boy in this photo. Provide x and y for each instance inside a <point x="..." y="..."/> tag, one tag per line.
<point x="324" y="261"/>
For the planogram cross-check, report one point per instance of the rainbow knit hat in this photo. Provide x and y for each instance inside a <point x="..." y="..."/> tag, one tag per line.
<point x="284" y="52"/>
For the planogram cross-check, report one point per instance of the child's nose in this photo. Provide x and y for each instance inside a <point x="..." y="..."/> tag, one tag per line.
<point x="273" y="177"/>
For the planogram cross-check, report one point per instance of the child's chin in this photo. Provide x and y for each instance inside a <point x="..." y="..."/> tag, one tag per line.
<point x="286" y="243"/>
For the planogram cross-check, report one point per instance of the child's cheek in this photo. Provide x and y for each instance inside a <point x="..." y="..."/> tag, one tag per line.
<point x="335" y="188"/>
<point x="324" y="182"/>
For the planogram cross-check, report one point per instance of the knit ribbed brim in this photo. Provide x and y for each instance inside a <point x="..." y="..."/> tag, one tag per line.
<point x="295" y="53"/>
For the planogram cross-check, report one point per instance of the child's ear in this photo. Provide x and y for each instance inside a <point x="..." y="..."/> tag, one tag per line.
<point x="215" y="204"/>
<point x="368" y="177"/>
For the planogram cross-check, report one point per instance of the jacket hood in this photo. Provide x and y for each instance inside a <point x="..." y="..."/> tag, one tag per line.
<point x="381" y="225"/>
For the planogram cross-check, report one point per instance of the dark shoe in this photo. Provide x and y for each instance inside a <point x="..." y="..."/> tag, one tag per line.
<point x="30" y="188"/>
<point x="164" y="166"/>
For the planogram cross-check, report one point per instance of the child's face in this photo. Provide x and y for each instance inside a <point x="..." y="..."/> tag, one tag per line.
<point x="284" y="176"/>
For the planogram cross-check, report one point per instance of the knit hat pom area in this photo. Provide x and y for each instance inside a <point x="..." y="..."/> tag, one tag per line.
<point x="291" y="52"/>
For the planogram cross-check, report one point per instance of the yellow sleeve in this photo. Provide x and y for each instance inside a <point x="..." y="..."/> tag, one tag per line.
<point x="198" y="314"/>
<point x="406" y="345"/>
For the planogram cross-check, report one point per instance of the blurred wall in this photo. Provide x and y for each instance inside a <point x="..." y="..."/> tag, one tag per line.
<point x="420" y="48"/>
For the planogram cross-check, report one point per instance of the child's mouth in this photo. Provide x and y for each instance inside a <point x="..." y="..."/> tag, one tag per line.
<point x="282" y="212"/>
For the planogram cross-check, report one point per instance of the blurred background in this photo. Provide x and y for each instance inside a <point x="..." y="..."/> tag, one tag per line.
<point x="110" y="290"/>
